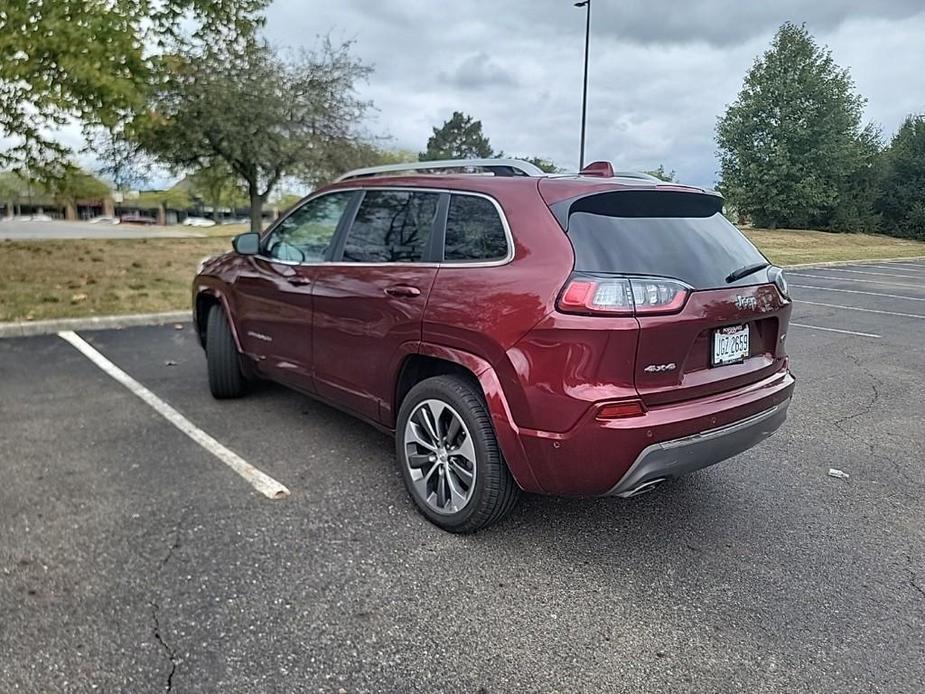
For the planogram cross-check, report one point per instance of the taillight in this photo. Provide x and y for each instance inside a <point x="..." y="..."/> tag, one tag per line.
<point x="776" y="275"/>
<point x="626" y="296"/>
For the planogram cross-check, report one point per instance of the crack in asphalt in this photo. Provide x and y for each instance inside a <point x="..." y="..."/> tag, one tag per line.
<point x="913" y="576"/>
<point x="169" y="651"/>
<point x="865" y="409"/>
<point x="175" y="543"/>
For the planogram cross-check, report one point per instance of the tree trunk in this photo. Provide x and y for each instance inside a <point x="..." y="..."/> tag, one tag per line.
<point x="256" y="208"/>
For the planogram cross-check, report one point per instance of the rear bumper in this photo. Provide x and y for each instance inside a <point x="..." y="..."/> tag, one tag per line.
<point x="616" y="456"/>
<point x="678" y="457"/>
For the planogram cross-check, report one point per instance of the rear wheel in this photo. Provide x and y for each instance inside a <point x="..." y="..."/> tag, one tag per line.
<point x="226" y="379"/>
<point x="449" y="456"/>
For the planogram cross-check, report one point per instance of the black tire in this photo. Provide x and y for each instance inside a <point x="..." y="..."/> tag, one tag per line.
<point x="494" y="491"/>
<point x="226" y="379"/>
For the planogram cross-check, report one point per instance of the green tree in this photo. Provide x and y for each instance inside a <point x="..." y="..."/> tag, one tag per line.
<point x="460" y="137"/>
<point x="92" y="60"/>
<point x="792" y="147"/>
<point x="545" y="164"/>
<point x="13" y="188"/>
<point x="217" y="186"/>
<point x="362" y="153"/>
<point x="265" y="115"/>
<point x="170" y="199"/>
<point x="663" y="174"/>
<point x="901" y="197"/>
<point x="73" y="185"/>
<point x="121" y="161"/>
<point x="287" y="200"/>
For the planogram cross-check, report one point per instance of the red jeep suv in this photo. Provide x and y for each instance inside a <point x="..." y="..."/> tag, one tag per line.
<point x="592" y="334"/>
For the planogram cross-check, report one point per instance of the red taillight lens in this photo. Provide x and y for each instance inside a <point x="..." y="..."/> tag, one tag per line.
<point x="597" y="295"/>
<point x="619" y="410"/>
<point x="607" y="295"/>
<point x="658" y="295"/>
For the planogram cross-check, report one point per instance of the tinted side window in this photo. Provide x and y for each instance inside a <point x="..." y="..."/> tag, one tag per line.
<point x="391" y="226"/>
<point x="306" y="234"/>
<point x="473" y="230"/>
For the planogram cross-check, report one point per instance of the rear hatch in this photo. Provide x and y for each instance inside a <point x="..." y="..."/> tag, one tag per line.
<point x="729" y="331"/>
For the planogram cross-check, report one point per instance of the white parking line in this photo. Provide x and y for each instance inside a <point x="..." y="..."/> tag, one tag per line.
<point x="260" y="481"/>
<point x="907" y="266"/>
<point x="875" y="274"/>
<point x="865" y="310"/>
<point x="854" y="279"/>
<point x="888" y="267"/>
<point x="858" y="291"/>
<point x="835" y="330"/>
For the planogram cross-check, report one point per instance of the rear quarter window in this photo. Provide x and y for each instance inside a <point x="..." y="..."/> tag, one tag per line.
<point x="474" y="231"/>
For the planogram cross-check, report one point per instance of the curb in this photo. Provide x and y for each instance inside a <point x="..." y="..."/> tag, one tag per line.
<point x="50" y="327"/>
<point x="834" y="263"/>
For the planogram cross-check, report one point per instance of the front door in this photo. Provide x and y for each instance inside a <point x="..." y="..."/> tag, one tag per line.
<point x="274" y="300"/>
<point x="369" y="303"/>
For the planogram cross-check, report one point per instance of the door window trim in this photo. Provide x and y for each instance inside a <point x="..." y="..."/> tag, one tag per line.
<point x="508" y="237"/>
<point x="435" y="246"/>
<point x="431" y="251"/>
<point x="346" y="219"/>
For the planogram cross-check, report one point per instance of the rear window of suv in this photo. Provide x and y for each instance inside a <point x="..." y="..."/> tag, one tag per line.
<point x="660" y="233"/>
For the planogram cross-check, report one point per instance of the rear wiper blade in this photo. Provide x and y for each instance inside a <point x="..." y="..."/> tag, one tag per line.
<point x="745" y="271"/>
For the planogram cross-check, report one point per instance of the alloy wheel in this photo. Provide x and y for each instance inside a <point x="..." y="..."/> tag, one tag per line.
<point x="440" y="456"/>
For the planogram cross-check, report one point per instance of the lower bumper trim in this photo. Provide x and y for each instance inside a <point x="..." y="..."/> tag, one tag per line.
<point x="671" y="459"/>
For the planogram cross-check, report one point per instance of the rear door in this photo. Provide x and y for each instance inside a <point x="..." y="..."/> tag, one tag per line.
<point x="273" y="289"/>
<point x="369" y="302"/>
<point x="729" y="332"/>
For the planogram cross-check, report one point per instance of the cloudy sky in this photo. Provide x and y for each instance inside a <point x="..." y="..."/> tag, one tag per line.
<point x="661" y="72"/>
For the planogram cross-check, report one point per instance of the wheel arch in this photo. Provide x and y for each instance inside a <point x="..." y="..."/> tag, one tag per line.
<point x="437" y="360"/>
<point x="206" y="298"/>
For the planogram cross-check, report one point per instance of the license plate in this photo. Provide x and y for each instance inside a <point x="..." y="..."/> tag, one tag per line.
<point x="730" y="345"/>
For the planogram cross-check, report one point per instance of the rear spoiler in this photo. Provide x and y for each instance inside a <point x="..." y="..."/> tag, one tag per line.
<point x="660" y="202"/>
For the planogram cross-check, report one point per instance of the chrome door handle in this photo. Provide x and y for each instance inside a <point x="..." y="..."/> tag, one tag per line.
<point x="402" y="290"/>
<point x="298" y="281"/>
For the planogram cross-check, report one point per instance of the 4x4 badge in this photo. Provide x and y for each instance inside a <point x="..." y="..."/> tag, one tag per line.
<point x="656" y="368"/>
<point x="743" y="302"/>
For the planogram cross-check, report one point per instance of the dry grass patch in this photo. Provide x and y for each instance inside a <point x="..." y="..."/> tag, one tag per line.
<point x="228" y="230"/>
<point x="792" y="246"/>
<point x="57" y="279"/>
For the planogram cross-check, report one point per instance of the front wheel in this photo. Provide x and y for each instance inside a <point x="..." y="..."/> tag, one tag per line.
<point x="226" y="379"/>
<point x="449" y="456"/>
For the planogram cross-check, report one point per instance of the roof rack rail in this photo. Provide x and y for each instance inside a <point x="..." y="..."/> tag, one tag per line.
<point x="497" y="167"/>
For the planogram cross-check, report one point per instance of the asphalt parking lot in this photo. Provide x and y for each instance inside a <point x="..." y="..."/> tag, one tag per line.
<point x="132" y="559"/>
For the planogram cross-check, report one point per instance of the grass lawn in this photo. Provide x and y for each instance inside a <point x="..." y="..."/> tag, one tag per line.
<point x="57" y="279"/>
<point x="792" y="247"/>
<point x="223" y="229"/>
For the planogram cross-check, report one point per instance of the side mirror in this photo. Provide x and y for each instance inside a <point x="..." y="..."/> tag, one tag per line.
<point x="246" y="244"/>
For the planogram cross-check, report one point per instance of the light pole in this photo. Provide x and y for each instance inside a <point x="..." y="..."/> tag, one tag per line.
<point x="584" y="93"/>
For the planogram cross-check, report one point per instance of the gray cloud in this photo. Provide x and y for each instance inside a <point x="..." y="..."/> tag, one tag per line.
<point x="728" y="23"/>
<point x="660" y="73"/>
<point x="476" y="71"/>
